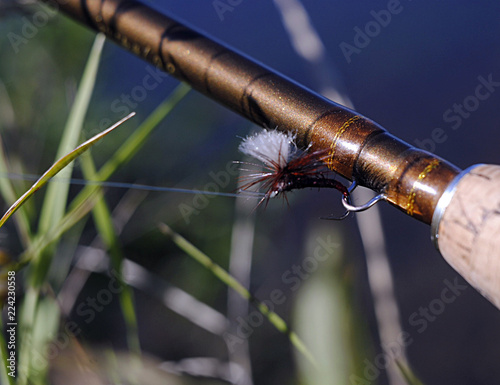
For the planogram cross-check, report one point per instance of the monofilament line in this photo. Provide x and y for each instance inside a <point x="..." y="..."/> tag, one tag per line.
<point x="133" y="186"/>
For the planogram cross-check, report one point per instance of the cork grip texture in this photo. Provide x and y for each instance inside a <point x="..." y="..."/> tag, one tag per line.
<point x="469" y="231"/>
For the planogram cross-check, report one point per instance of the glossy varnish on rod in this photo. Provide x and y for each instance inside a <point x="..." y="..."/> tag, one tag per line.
<point x="359" y="149"/>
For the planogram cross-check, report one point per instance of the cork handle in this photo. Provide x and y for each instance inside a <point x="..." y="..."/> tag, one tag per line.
<point x="468" y="229"/>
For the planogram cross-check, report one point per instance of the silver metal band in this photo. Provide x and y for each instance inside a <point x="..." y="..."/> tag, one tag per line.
<point x="443" y="203"/>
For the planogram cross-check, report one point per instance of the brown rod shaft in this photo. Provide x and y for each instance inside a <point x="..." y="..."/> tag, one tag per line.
<point x="359" y="149"/>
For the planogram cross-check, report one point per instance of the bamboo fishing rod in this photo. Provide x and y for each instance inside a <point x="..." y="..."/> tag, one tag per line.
<point x="462" y="207"/>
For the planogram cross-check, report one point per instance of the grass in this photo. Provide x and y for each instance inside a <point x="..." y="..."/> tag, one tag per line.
<point x="203" y="259"/>
<point x="39" y="317"/>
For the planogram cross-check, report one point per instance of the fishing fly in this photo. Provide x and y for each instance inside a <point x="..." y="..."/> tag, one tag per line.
<point x="286" y="167"/>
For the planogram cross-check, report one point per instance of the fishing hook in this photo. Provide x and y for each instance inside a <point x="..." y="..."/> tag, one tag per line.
<point x="346" y="202"/>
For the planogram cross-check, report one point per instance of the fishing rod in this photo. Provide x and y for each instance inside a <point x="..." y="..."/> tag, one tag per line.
<point x="462" y="206"/>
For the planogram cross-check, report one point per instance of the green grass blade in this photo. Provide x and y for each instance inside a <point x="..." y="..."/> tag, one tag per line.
<point x="134" y="142"/>
<point x="322" y="312"/>
<point x="37" y="274"/>
<point x="66" y="223"/>
<point x="55" y="200"/>
<point x="9" y="195"/>
<point x="43" y="331"/>
<point x="26" y="324"/>
<point x="43" y="316"/>
<point x="58" y="166"/>
<point x="104" y="224"/>
<point x="85" y="200"/>
<point x="278" y="322"/>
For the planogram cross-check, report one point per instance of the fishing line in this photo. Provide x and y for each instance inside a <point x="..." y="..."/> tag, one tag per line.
<point x="134" y="186"/>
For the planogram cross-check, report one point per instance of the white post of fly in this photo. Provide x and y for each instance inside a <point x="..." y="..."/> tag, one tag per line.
<point x="271" y="147"/>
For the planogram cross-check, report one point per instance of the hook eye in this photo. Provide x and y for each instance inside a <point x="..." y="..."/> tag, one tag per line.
<point x="351" y="188"/>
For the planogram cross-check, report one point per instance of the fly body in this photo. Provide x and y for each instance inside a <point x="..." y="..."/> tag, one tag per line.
<point x="286" y="168"/>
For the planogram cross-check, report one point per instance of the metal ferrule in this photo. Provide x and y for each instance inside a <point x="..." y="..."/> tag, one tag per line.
<point x="443" y="203"/>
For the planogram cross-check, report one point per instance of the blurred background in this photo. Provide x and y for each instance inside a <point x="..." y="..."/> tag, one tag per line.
<point x="427" y="59"/>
